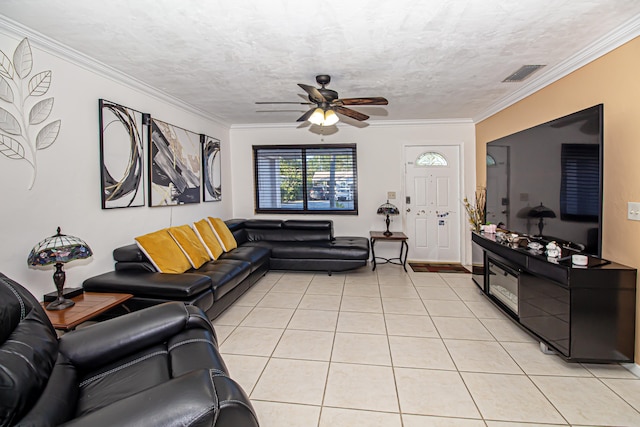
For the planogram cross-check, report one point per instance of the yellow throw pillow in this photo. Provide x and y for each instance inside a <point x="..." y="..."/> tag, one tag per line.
<point x="188" y="241"/>
<point x="205" y="233"/>
<point x="163" y="252"/>
<point x="224" y="235"/>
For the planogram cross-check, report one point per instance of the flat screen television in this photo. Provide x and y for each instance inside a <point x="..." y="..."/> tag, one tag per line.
<point x="546" y="181"/>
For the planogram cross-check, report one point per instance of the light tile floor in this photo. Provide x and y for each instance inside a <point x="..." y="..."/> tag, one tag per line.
<point x="389" y="348"/>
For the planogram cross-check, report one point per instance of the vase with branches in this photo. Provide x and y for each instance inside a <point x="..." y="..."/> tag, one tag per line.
<point x="476" y="210"/>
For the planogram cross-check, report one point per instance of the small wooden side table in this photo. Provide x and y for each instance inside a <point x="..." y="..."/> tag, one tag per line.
<point x="87" y="306"/>
<point x="397" y="236"/>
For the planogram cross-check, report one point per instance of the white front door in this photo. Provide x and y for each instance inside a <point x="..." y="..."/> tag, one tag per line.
<point x="433" y="204"/>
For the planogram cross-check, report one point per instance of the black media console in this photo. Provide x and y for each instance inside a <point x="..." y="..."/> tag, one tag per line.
<point x="585" y="314"/>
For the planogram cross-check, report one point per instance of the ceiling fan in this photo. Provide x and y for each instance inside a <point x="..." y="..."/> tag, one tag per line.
<point x="327" y="104"/>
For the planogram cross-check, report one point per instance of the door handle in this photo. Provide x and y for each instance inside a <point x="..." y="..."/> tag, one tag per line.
<point x="409" y="210"/>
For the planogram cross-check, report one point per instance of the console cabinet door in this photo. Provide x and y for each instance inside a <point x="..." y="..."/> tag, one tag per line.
<point x="545" y="310"/>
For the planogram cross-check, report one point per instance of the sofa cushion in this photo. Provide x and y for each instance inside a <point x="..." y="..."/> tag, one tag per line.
<point x="347" y="248"/>
<point x="264" y="223"/>
<point x="225" y="274"/>
<point x="224" y="235"/>
<point x="305" y="224"/>
<point x="256" y="255"/>
<point x="129" y="253"/>
<point x="204" y="230"/>
<point x="163" y="252"/>
<point x="190" y="244"/>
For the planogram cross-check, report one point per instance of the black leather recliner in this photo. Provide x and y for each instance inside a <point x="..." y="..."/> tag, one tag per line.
<point x="155" y="367"/>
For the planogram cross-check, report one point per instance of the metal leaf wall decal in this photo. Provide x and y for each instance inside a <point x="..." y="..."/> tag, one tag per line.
<point x="39" y="84"/>
<point x="18" y="107"/>
<point x="23" y="59"/>
<point x="11" y="148"/>
<point x="47" y="135"/>
<point x="6" y="67"/>
<point x="8" y="123"/>
<point x="6" y="94"/>
<point x="40" y="111"/>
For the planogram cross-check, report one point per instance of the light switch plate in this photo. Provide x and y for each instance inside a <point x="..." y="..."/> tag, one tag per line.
<point x="633" y="211"/>
<point x="391" y="195"/>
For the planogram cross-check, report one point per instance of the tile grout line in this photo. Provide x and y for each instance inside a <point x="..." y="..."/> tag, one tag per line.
<point x="393" y="367"/>
<point x="333" y="343"/>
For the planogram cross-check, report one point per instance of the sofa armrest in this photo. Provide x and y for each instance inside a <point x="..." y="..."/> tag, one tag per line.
<point x="105" y="342"/>
<point x="198" y="319"/>
<point x="195" y="399"/>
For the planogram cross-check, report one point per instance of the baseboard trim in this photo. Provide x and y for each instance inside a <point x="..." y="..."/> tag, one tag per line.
<point x="634" y="368"/>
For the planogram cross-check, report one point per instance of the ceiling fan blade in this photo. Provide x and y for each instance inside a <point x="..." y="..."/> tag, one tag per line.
<point x="283" y="102"/>
<point x="351" y="113"/>
<point x="376" y="100"/>
<point x="306" y="115"/>
<point x="313" y="93"/>
<point x="278" y="111"/>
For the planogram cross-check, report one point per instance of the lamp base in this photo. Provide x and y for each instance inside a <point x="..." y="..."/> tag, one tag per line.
<point x="60" y="304"/>
<point x="67" y="293"/>
<point x="387" y="221"/>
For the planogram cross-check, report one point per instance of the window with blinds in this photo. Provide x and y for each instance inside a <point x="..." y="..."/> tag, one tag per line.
<point x="306" y="179"/>
<point x="580" y="189"/>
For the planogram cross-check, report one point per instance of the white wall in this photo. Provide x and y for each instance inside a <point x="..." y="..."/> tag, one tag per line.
<point x="380" y="168"/>
<point x="66" y="192"/>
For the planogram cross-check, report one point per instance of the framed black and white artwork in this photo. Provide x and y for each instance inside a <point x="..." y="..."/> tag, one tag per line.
<point x="211" y="169"/>
<point x="121" y="155"/>
<point x="174" y="165"/>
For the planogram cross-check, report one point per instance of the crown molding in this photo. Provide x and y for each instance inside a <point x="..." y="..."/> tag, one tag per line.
<point x="611" y="41"/>
<point x="14" y="29"/>
<point x="373" y="123"/>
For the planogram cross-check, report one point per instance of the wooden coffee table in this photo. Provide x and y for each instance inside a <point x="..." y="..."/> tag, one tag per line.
<point x="87" y="306"/>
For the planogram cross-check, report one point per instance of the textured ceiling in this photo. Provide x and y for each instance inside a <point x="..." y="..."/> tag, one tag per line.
<point x="432" y="59"/>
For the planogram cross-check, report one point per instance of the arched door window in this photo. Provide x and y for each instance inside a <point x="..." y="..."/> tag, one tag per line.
<point x="491" y="161"/>
<point x="431" y="158"/>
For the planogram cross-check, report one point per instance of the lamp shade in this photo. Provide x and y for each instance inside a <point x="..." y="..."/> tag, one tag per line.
<point x="317" y="117"/>
<point x="388" y="209"/>
<point x="58" y="248"/>
<point x="541" y="212"/>
<point x="323" y="117"/>
<point x="330" y="118"/>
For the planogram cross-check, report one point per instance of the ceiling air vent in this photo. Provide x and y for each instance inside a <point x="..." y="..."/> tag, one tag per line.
<point x="522" y="73"/>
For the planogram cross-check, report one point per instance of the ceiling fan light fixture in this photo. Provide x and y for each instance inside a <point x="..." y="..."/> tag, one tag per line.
<point x="330" y="118"/>
<point x="317" y="118"/>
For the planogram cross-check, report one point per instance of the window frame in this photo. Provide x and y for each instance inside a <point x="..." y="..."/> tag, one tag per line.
<point x="305" y="193"/>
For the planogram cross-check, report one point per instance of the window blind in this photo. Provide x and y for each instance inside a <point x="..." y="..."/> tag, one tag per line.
<point x="580" y="188"/>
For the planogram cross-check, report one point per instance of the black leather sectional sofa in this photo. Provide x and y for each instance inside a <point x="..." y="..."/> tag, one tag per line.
<point x="305" y="245"/>
<point x="154" y="367"/>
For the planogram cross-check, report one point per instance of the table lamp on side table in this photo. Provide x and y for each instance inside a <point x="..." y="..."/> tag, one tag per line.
<point x="388" y="209"/>
<point x="541" y="212"/>
<point x="59" y="249"/>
